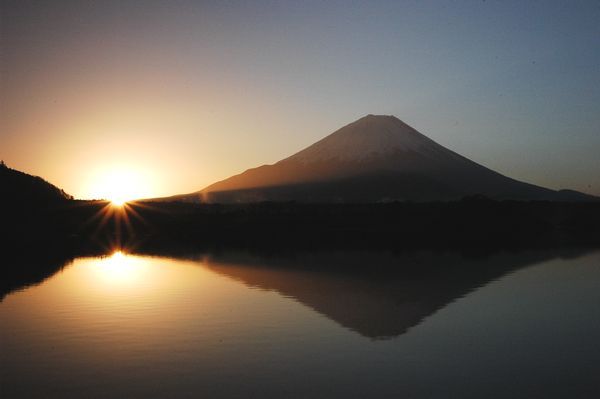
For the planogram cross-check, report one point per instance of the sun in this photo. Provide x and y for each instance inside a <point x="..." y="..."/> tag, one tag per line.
<point x="119" y="185"/>
<point x="118" y="196"/>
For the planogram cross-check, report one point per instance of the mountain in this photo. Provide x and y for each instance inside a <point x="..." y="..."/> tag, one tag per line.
<point x="18" y="188"/>
<point x="374" y="159"/>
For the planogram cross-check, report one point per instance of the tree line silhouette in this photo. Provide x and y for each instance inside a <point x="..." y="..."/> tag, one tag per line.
<point x="35" y="214"/>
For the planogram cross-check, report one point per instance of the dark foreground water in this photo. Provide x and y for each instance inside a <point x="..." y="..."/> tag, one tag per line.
<point x="312" y="325"/>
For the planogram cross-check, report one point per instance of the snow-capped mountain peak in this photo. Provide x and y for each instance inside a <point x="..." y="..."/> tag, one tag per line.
<point x="376" y="158"/>
<point x="372" y="135"/>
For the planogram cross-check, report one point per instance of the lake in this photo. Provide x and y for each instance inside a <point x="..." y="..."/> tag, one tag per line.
<point x="324" y="324"/>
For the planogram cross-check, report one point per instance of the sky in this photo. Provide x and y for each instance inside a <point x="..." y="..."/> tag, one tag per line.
<point x="175" y="95"/>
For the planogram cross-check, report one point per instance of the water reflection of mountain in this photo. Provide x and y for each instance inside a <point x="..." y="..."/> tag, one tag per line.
<point x="20" y="272"/>
<point x="376" y="294"/>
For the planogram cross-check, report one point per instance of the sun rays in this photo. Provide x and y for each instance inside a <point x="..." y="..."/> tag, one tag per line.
<point x="119" y="227"/>
<point x="117" y="222"/>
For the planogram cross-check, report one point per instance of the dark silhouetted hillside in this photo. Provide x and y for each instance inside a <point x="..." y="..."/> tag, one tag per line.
<point x="21" y="189"/>
<point x="42" y="216"/>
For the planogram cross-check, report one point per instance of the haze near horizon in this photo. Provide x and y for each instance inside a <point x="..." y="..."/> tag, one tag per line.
<point x="178" y="95"/>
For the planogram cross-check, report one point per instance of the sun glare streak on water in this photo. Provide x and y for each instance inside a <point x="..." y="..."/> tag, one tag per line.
<point x="120" y="269"/>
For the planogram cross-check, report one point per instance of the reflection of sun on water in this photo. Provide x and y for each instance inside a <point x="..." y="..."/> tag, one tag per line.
<point x="120" y="269"/>
<point x="120" y="276"/>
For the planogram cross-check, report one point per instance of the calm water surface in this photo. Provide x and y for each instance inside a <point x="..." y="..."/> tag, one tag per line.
<point x="337" y="324"/>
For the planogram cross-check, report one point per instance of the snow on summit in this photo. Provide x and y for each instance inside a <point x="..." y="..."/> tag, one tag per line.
<point x="368" y="136"/>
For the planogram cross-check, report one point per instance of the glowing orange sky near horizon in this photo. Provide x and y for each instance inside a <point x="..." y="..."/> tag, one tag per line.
<point x="158" y="147"/>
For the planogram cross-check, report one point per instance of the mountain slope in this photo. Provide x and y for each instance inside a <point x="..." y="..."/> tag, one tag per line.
<point x="376" y="158"/>
<point x="23" y="189"/>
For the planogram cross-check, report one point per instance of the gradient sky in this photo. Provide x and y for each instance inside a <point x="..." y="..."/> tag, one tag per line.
<point x="189" y="92"/>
